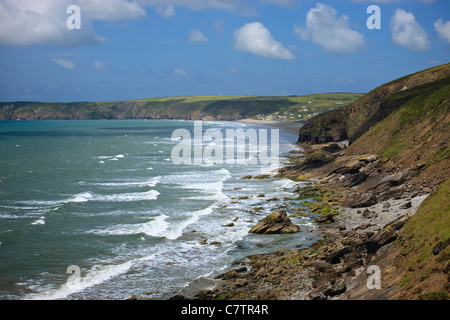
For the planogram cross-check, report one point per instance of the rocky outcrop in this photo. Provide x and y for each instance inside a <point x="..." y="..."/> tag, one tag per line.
<point x="325" y="218"/>
<point x="329" y="270"/>
<point x="277" y="222"/>
<point x="350" y="122"/>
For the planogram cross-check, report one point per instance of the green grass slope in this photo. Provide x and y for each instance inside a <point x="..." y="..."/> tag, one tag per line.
<point x="425" y="250"/>
<point x="416" y="136"/>
<point x="352" y="121"/>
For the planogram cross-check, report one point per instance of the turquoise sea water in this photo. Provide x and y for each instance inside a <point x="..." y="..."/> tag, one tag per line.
<point x="104" y="196"/>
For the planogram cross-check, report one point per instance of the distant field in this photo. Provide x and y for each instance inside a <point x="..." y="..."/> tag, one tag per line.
<point x="194" y="98"/>
<point x="222" y="107"/>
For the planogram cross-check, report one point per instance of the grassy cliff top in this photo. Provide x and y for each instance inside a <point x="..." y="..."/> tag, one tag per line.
<point x="224" y="107"/>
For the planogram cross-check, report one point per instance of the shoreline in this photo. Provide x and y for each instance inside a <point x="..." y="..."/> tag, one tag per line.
<point x="335" y="267"/>
<point x="328" y="269"/>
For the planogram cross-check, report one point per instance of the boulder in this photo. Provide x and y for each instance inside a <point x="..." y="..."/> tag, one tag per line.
<point x="266" y="295"/>
<point x="325" y="218"/>
<point x="277" y="222"/>
<point x="351" y="167"/>
<point x="407" y="205"/>
<point x="262" y="176"/>
<point x="354" y="179"/>
<point x="240" y="282"/>
<point x="380" y="183"/>
<point x="338" y="287"/>
<point x="229" y="225"/>
<point x="360" y="200"/>
<point x="332" y="148"/>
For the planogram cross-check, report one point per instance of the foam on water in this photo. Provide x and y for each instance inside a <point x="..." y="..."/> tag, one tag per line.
<point x="208" y="190"/>
<point x="88" y="196"/>
<point x="119" y="156"/>
<point x="175" y="230"/>
<point x="284" y="184"/>
<point x="155" y="227"/>
<point x="147" y="183"/>
<point x="95" y="276"/>
<point x="40" y="221"/>
<point x="128" y="197"/>
<point x="162" y="226"/>
<point x="131" y="240"/>
<point x="81" y="197"/>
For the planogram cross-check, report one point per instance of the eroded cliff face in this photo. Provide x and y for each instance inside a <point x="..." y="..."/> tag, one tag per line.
<point x="352" y="121"/>
<point x="409" y="159"/>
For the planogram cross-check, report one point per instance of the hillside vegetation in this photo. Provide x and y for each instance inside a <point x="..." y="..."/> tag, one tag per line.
<point x="350" y="122"/>
<point x="188" y="108"/>
<point x="425" y="251"/>
<point x="416" y="136"/>
<point x="404" y="128"/>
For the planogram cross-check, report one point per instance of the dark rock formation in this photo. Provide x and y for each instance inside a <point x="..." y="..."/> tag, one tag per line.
<point x="325" y="218"/>
<point x="277" y="222"/>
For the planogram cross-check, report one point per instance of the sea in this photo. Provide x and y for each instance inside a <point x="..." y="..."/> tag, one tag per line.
<point x="95" y="210"/>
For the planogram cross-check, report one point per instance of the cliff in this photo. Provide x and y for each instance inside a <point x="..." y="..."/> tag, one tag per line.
<point x="187" y="108"/>
<point x="399" y="135"/>
<point x="350" y="122"/>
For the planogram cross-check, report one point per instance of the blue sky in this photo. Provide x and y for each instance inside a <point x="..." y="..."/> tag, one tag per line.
<point x="133" y="49"/>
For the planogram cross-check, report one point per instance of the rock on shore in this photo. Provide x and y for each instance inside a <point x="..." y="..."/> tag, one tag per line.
<point x="277" y="222"/>
<point x="328" y="270"/>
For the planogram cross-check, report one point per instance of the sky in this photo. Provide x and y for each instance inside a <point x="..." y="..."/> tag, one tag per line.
<point x="108" y="50"/>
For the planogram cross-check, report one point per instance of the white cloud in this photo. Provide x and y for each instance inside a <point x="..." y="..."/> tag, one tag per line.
<point x="66" y="64"/>
<point x="43" y="22"/>
<point x="443" y="29"/>
<point x="406" y="32"/>
<point x="180" y="72"/>
<point x="333" y="33"/>
<point x="254" y="38"/>
<point x="100" y="66"/>
<point x="197" y="36"/>
<point x="111" y="10"/>
<point x="166" y="11"/>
